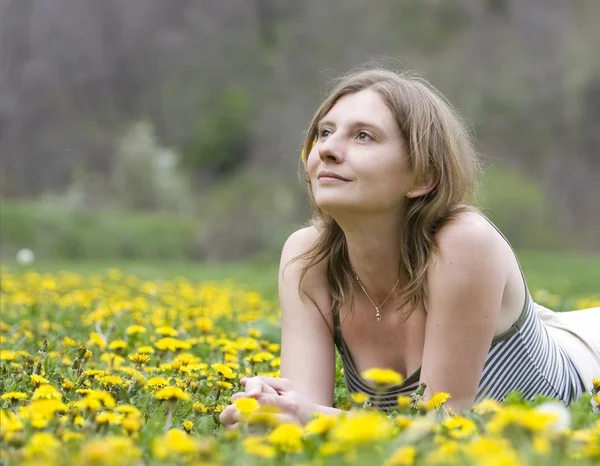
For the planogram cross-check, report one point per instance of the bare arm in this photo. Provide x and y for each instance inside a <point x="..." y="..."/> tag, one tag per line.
<point x="307" y="347"/>
<point x="463" y="301"/>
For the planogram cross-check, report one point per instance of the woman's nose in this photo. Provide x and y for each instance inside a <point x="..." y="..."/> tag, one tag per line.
<point x="331" y="149"/>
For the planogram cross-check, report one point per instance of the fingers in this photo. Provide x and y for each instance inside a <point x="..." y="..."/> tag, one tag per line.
<point x="233" y="426"/>
<point x="285" y="402"/>
<point x="256" y="385"/>
<point x="238" y="395"/>
<point x="226" y="417"/>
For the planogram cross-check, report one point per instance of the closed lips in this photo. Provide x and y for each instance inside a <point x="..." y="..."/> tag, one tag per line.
<point x="331" y="175"/>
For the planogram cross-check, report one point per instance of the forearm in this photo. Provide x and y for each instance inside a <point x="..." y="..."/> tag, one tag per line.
<point x="329" y="411"/>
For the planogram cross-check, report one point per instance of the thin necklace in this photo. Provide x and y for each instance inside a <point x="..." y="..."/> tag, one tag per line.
<point x="377" y="308"/>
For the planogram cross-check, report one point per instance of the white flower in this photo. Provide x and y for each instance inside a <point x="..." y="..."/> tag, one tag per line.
<point x="563" y="422"/>
<point x="25" y="256"/>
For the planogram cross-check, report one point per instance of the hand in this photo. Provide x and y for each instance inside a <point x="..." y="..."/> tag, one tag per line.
<point x="271" y="391"/>
<point x="255" y="387"/>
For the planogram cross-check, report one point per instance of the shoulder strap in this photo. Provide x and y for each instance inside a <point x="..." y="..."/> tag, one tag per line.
<point x="336" y="323"/>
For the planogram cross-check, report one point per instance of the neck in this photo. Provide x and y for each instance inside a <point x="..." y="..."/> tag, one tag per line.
<point x="373" y="242"/>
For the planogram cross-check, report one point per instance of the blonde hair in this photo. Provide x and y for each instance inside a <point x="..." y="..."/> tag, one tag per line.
<point x="438" y="145"/>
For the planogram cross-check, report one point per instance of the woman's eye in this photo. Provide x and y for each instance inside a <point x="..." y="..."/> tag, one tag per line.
<point x="323" y="132"/>
<point x="362" y="135"/>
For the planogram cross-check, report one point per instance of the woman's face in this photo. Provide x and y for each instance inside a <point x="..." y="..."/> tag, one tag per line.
<point x="358" y="140"/>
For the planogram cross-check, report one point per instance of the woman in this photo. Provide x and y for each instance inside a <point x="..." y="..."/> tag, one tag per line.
<point x="397" y="271"/>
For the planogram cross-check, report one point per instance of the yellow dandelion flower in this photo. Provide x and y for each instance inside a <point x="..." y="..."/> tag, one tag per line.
<point x="96" y="340"/>
<point x="96" y="373"/>
<point x="596" y="385"/>
<point x="303" y="153"/>
<point x="254" y="333"/>
<point x="157" y="382"/>
<point x="199" y="408"/>
<point x="172" y="394"/>
<point x="359" y="397"/>
<point x="487" y="406"/>
<point x="187" y="426"/>
<point x="174" y="443"/>
<point x="246" y="405"/>
<point x="459" y="427"/>
<point x="437" y="401"/>
<point x="541" y="445"/>
<point x="42" y="448"/>
<point x="128" y="410"/>
<point x="108" y="418"/>
<point x="287" y="438"/>
<point x="68" y="435"/>
<point x="8" y="355"/>
<point x="37" y="380"/>
<point x="105" y="398"/>
<point x="403" y="422"/>
<point x="145" y="350"/>
<point x="46" y="392"/>
<point x="99" y="451"/>
<point x="14" y="396"/>
<point x="321" y="424"/>
<point x="117" y="345"/>
<point x="171" y="344"/>
<point x="265" y="415"/>
<point x="139" y="358"/>
<point x="275" y="363"/>
<point x="166" y="330"/>
<point x="131" y="424"/>
<point x="68" y="385"/>
<point x="110" y="380"/>
<point x="330" y="448"/>
<point x="528" y="419"/>
<point x="135" y="330"/>
<point x="363" y="427"/>
<point x="69" y="342"/>
<point x="256" y="446"/>
<point x="382" y="377"/>
<point x="404" y="401"/>
<point x="402" y="456"/>
<point x="204" y="324"/>
<point x="223" y="370"/>
<point x="260" y="357"/>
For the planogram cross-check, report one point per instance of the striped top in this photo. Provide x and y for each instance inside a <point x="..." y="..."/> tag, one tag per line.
<point x="524" y="358"/>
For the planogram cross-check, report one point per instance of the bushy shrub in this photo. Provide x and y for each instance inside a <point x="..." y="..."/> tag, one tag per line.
<point x="518" y="206"/>
<point x="54" y="232"/>
<point x="147" y="176"/>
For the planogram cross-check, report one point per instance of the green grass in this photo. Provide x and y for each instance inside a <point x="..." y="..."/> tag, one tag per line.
<point x="565" y="274"/>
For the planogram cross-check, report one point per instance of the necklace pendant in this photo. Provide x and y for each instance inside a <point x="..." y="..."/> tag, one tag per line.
<point x="378" y="316"/>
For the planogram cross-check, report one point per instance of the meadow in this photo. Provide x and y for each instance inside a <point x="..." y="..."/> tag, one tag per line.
<point x="130" y="363"/>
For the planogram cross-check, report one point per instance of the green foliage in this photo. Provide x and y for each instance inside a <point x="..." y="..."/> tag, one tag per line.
<point x="221" y="139"/>
<point x="145" y="175"/>
<point x="56" y="232"/>
<point x="250" y="212"/>
<point x="518" y="206"/>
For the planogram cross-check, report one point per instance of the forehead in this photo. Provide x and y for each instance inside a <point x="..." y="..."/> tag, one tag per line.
<point x="366" y="105"/>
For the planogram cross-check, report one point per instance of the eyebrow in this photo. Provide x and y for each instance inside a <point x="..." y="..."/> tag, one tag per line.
<point x="354" y="124"/>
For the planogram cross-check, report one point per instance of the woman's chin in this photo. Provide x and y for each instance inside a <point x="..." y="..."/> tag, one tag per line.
<point x="331" y="204"/>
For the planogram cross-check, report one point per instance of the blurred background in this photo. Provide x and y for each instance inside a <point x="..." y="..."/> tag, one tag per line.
<point x="170" y="130"/>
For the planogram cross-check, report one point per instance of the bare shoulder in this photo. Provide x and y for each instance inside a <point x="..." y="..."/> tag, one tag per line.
<point x="469" y="244"/>
<point x="292" y="263"/>
<point x="469" y="233"/>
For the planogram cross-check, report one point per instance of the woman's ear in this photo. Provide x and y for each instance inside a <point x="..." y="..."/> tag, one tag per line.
<point x="423" y="187"/>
